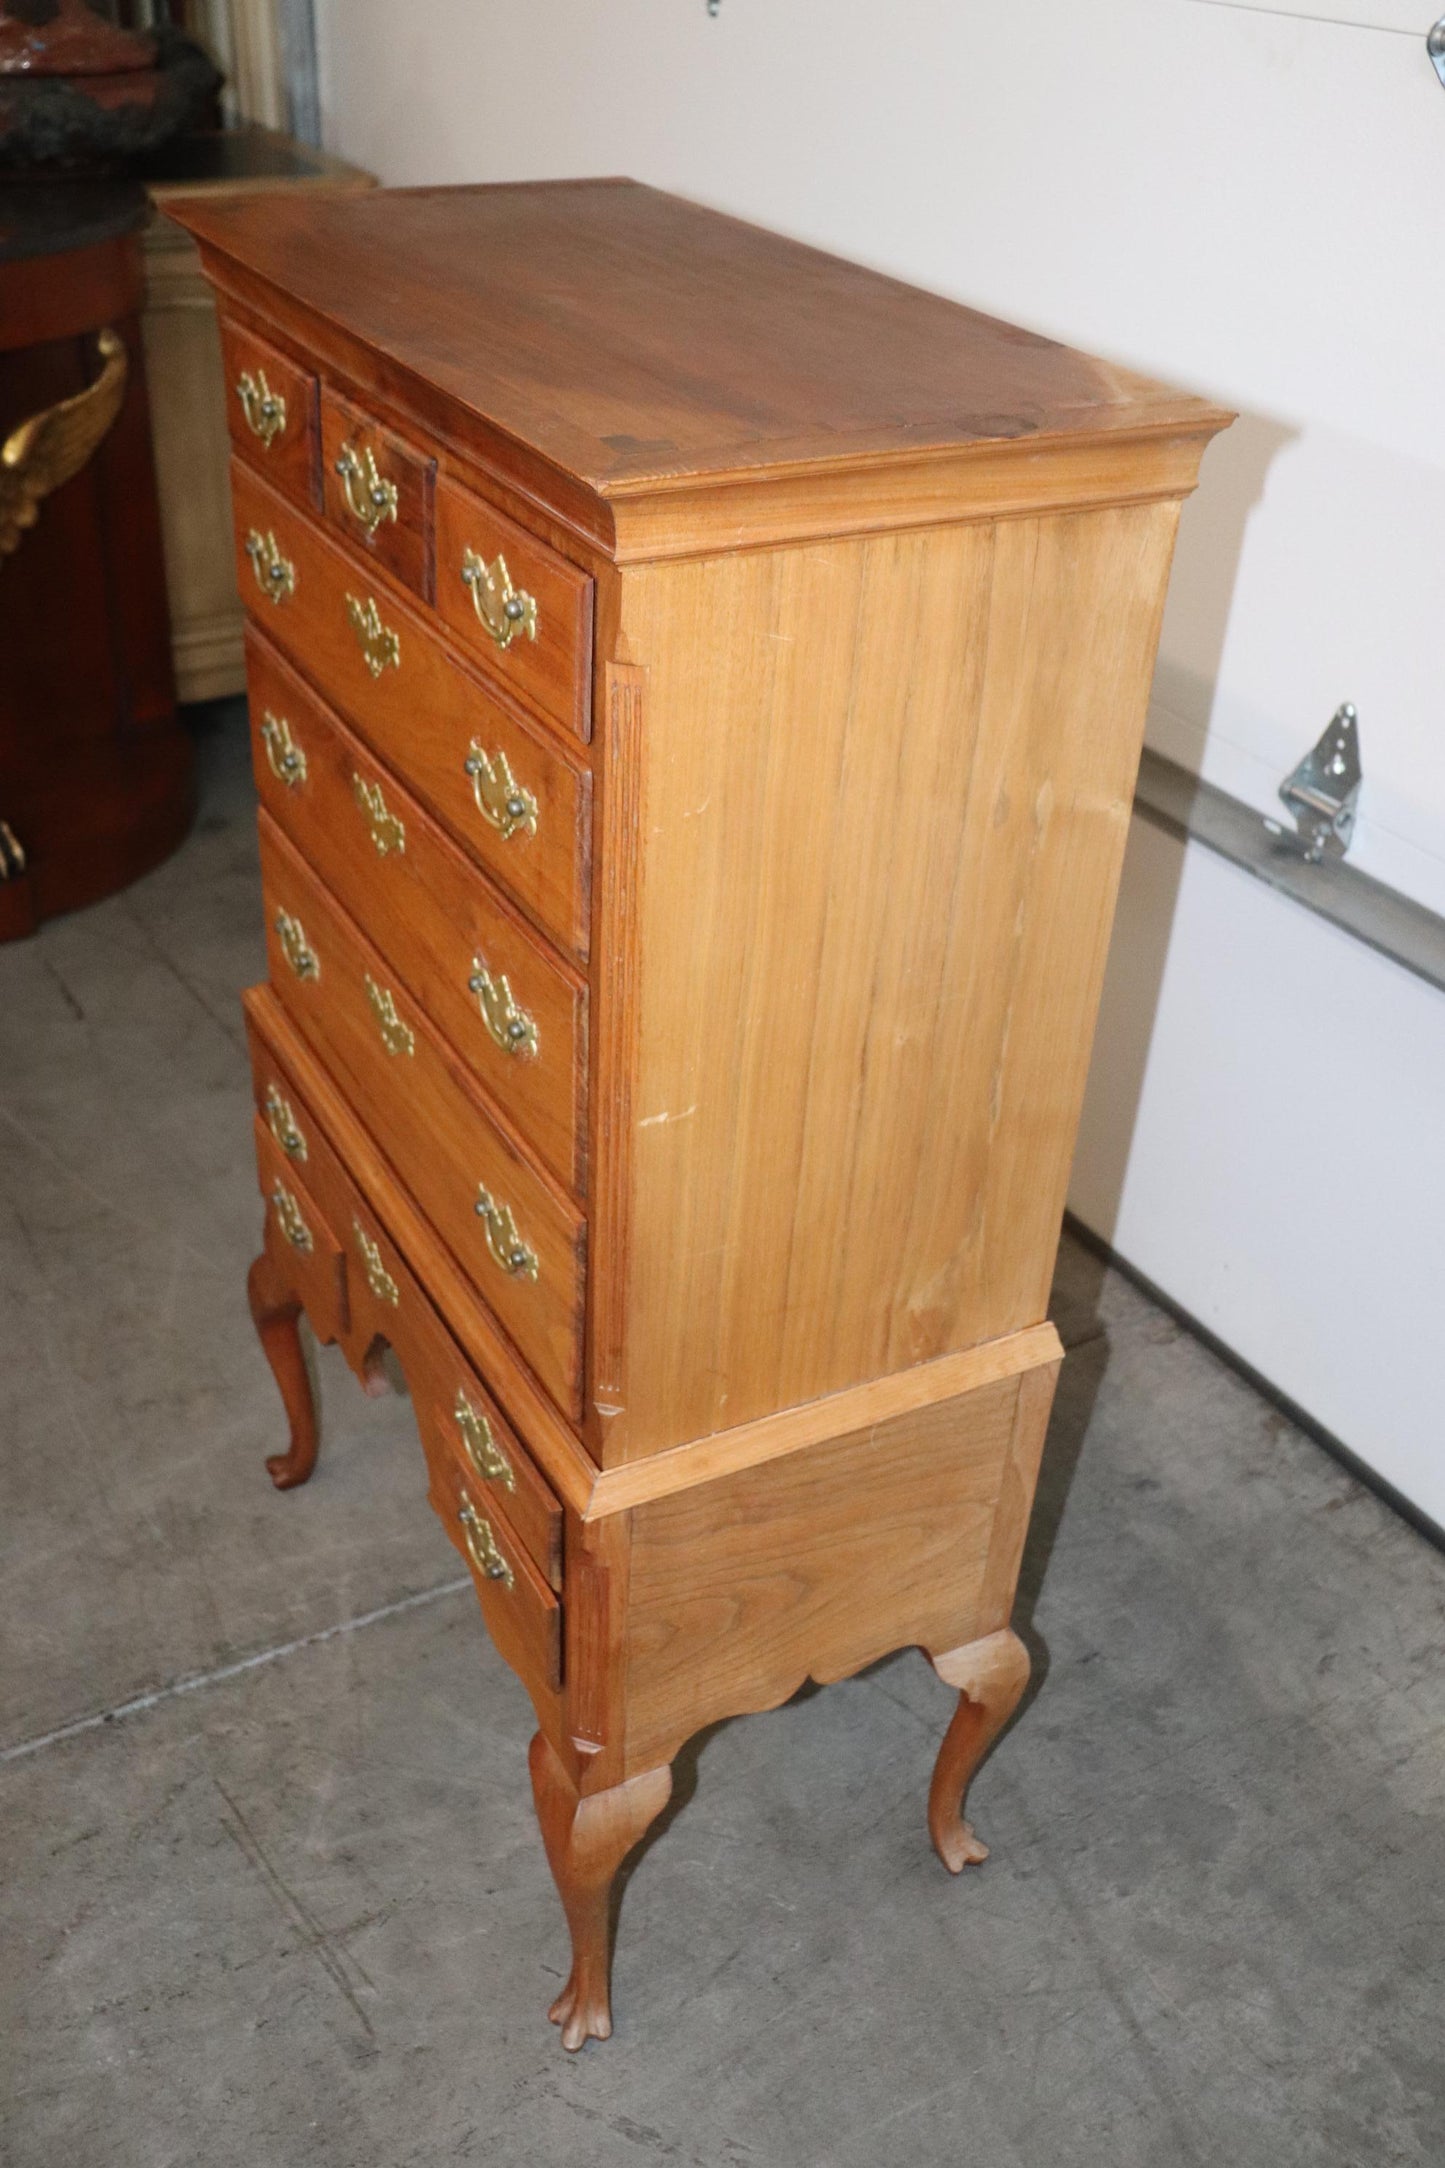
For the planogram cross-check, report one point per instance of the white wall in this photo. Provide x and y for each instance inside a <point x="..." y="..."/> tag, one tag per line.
<point x="1241" y="201"/>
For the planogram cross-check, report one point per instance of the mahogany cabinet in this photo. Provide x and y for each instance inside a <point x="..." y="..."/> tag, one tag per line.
<point x="95" y="766"/>
<point x="696" y="688"/>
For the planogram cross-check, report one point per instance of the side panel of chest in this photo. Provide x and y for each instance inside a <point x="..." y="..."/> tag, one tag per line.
<point x="881" y="811"/>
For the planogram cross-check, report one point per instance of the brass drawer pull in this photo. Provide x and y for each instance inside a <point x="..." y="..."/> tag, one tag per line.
<point x="500" y="798"/>
<point x="502" y="609"/>
<point x="482" y="1545"/>
<point x="396" y="1037"/>
<point x="506" y="1245"/>
<point x="378" y="1279"/>
<point x="296" y="949"/>
<point x="264" y="409"/>
<point x="482" y="1449"/>
<point x="387" y="831"/>
<point x="288" y="1218"/>
<point x="288" y="762"/>
<point x="380" y="646"/>
<point x="275" y="574"/>
<point x="513" y="1029"/>
<point x="370" y="498"/>
<point x="283" y="1125"/>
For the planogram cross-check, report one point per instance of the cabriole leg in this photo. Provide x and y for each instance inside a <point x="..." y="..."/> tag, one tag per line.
<point x="990" y="1676"/>
<point x="277" y="1315"/>
<point x="587" y="1840"/>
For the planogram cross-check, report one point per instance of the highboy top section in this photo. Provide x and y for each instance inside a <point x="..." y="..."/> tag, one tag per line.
<point x="637" y="343"/>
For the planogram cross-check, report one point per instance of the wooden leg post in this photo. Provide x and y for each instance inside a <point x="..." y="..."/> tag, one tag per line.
<point x="277" y="1315"/>
<point x="587" y="1840"/>
<point x="990" y="1676"/>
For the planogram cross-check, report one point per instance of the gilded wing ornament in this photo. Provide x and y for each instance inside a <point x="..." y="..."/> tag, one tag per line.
<point x="52" y="447"/>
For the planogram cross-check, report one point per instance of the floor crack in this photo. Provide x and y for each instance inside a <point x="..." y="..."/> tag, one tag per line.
<point x="138" y="1705"/>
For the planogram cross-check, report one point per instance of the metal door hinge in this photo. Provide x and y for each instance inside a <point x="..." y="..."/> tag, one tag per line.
<point x="1435" y="47"/>
<point x="1323" y="792"/>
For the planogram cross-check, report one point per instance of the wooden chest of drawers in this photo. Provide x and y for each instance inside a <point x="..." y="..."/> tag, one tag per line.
<point x="696" y="689"/>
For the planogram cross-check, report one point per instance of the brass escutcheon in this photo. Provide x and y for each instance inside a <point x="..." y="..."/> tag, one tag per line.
<point x="288" y="762"/>
<point x="283" y="1126"/>
<point x="482" y="1544"/>
<point x="502" y="609"/>
<point x="396" y="1037"/>
<point x="370" y="498"/>
<point x="508" y="1249"/>
<point x="264" y="409"/>
<point x="482" y="1450"/>
<point x="500" y="798"/>
<point x="387" y="831"/>
<point x="380" y="646"/>
<point x="275" y="574"/>
<point x="296" y="949"/>
<point x="514" y="1031"/>
<point x="378" y="1279"/>
<point x="288" y="1218"/>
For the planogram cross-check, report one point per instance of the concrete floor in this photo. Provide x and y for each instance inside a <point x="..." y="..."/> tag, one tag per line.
<point x="272" y="1891"/>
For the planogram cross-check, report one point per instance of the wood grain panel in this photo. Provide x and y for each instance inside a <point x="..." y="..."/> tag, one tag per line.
<point x="423" y="715"/>
<point x="810" y="1566"/>
<point x="428" y="911"/>
<point x="886" y="800"/>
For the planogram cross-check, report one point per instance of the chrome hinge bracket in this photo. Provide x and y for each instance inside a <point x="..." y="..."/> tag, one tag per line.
<point x="1323" y="792"/>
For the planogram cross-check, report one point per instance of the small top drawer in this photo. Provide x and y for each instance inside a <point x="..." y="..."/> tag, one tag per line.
<point x="377" y="490"/>
<point x="520" y="608"/>
<point x="271" y="407"/>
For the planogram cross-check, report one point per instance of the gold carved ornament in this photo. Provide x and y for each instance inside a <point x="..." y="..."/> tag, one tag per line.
<point x="51" y="448"/>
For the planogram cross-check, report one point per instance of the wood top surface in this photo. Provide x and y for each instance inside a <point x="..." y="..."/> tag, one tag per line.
<point x="631" y="338"/>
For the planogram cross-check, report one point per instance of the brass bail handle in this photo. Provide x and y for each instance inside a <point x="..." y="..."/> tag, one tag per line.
<point x="503" y="611"/>
<point x="370" y="497"/>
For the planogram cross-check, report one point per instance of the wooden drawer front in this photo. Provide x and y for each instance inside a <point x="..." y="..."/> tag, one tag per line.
<point x="271" y="406"/>
<point x="417" y="1102"/>
<point x="467" y="1422"/>
<point x="377" y="490"/>
<point x="523" y="1616"/>
<point x="515" y="1014"/>
<point x="299" y="1235"/>
<point x="512" y="800"/>
<point x="524" y="611"/>
<point x="455" y="1411"/>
